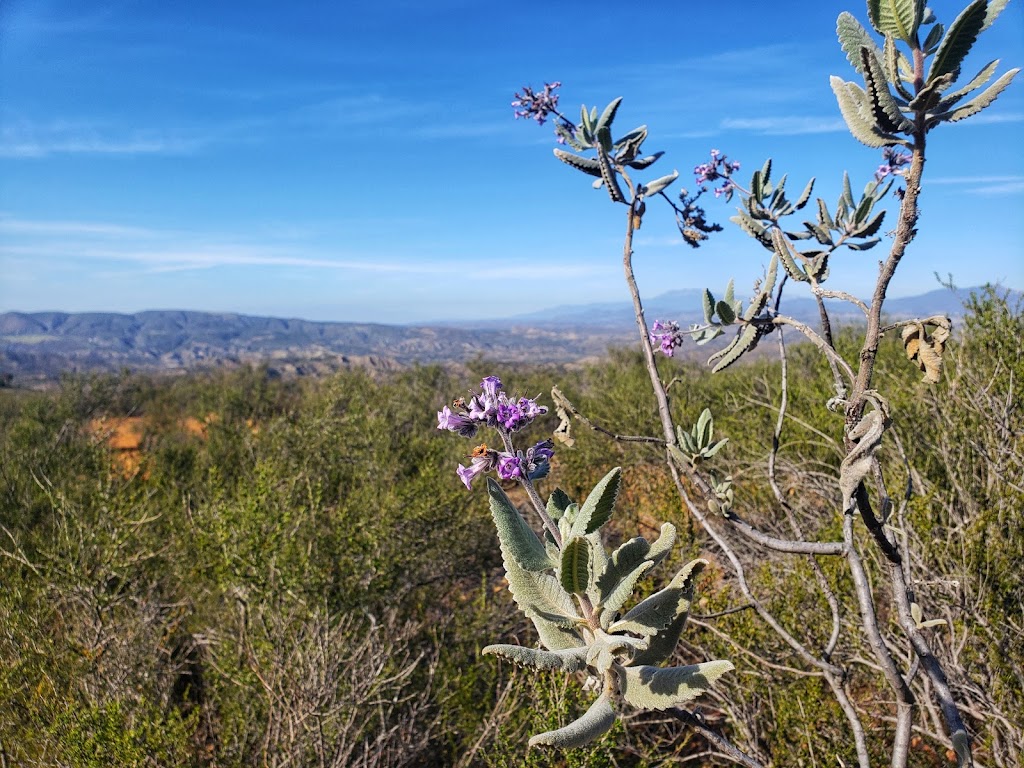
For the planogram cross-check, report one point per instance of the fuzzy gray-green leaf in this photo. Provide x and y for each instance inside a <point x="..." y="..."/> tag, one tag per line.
<point x="748" y="224"/>
<point x="804" y="196"/>
<point x="558" y="502"/>
<point x="899" y="18"/>
<point x="622" y="591"/>
<point x="600" y="503"/>
<point x="630" y="554"/>
<point x="680" y="458"/>
<point x="884" y="108"/>
<point x="931" y="42"/>
<point x="586" y="123"/>
<point x="533" y="591"/>
<point x="725" y="312"/>
<point x="708" y="300"/>
<point x="656" y="613"/>
<point x="516" y="536"/>
<point x="995" y="7"/>
<point x="568" y="660"/>
<point x="745" y="340"/>
<point x="782" y="248"/>
<point x="847" y="197"/>
<point x="824" y="219"/>
<point x="853" y="37"/>
<point x="662" y="546"/>
<point x="976" y="82"/>
<point x="588" y="165"/>
<point x="594" y="723"/>
<point x="608" y="174"/>
<point x="661" y="646"/>
<point x="715" y="448"/>
<point x="959" y="40"/>
<point x="663" y="688"/>
<point x="628" y="147"/>
<point x="705" y="427"/>
<point x="659" y="184"/>
<point x="853" y="107"/>
<point x="627" y="564"/>
<point x="872" y="226"/>
<point x="575" y="571"/>
<point x="598" y="564"/>
<point x="608" y="116"/>
<point x="642" y="163"/>
<point x="978" y="103"/>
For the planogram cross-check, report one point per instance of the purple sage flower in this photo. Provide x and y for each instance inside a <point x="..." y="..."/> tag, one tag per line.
<point x="478" y="410"/>
<point x="491" y="385"/>
<point x="530" y="408"/>
<point x="456" y="422"/>
<point x="483" y="459"/>
<point x="494" y="407"/>
<point x="468" y="474"/>
<point x="667" y="335"/>
<point x="510" y="467"/>
<point x="894" y="160"/>
<point x="539" y="454"/>
<point x="509" y="416"/>
<point x="537" y="106"/>
<point x="718" y="168"/>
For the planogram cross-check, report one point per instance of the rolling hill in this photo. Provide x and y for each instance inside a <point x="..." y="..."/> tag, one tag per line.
<point x="39" y="346"/>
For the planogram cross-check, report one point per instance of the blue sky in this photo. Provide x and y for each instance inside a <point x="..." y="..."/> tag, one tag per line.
<point x="358" y="161"/>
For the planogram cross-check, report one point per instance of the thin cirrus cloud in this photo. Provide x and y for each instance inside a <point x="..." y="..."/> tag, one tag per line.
<point x="22" y="139"/>
<point x="983" y="185"/>
<point x="789" y="125"/>
<point x="158" y="251"/>
<point x="25" y="138"/>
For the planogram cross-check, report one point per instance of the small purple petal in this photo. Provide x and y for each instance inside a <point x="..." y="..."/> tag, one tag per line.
<point x="510" y="467"/>
<point x="468" y="474"/>
<point x="455" y="422"/>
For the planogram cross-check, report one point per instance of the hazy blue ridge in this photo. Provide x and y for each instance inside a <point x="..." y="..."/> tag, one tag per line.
<point x="42" y="345"/>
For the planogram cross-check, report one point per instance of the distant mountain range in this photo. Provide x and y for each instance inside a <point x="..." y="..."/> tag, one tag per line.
<point x="685" y="307"/>
<point x="39" y="346"/>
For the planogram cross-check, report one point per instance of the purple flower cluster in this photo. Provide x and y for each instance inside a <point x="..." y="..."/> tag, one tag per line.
<point x="718" y="168"/>
<point x="537" y="106"/>
<point x="667" y="335"/>
<point x="493" y="407"/>
<point x="894" y="160"/>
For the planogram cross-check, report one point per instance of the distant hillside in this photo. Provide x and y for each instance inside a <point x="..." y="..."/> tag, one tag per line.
<point x="43" y="345"/>
<point x="40" y="346"/>
<point x="685" y="307"/>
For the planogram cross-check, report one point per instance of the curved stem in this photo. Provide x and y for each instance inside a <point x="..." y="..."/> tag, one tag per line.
<point x="660" y="395"/>
<point x="715" y="739"/>
<point x="905" y="232"/>
<point x="818" y="341"/>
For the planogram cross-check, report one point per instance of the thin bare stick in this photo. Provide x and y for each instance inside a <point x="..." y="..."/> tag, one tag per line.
<point x="714" y="738"/>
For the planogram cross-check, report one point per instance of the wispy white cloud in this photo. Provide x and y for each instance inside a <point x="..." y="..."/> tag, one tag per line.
<point x="159" y="251"/>
<point x="371" y="109"/>
<point x="989" y="118"/>
<point x="13" y="226"/>
<point x="24" y="139"/>
<point x="983" y="185"/>
<point x="462" y="130"/>
<point x="786" y="125"/>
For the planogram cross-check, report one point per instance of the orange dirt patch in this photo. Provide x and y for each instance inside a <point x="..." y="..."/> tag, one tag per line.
<point x="120" y="434"/>
<point x="126" y="436"/>
<point x="194" y="426"/>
